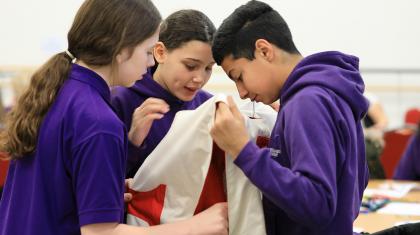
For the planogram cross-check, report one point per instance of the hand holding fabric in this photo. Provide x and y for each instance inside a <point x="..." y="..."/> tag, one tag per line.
<point x="229" y="130"/>
<point x="143" y="118"/>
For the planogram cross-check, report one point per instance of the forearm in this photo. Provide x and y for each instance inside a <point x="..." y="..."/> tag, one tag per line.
<point x="180" y="228"/>
<point x="294" y="193"/>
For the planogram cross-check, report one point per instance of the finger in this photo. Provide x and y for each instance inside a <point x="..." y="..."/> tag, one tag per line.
<point x="128" y="182"/>
<point x="152" y="108"/>
<point x="155" y="101"/>
<point x="151" y="102"/>
<point x="128" y="197"/>
<point x="154" y="116"/>
<point x="222" y="109"/>
<point x="233" y="108"/>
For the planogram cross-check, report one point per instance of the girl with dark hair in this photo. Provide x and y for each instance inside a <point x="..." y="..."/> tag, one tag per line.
<point x="67" y="146"/>
<point x="184" y="65"/>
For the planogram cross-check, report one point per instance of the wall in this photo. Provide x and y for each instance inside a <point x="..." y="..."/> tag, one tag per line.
<point x="383" y="33"/>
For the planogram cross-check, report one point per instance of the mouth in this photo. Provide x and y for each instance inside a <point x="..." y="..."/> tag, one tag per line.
<point x="192" y="89"/>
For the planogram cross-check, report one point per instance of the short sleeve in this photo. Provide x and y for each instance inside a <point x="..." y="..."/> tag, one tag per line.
<point x="98" y="179"/>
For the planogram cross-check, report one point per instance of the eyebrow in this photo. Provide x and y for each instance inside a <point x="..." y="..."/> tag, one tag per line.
<point x="199" y="61"/>
<point x="196" y="60"/>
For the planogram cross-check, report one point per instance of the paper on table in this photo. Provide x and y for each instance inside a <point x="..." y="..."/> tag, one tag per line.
<point x="401" y="208"/>
<point x="391" y="189"/>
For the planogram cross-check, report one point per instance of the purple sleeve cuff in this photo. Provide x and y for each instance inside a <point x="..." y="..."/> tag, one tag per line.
<point x="100" y="216"/>
<point x="247" y="155"/>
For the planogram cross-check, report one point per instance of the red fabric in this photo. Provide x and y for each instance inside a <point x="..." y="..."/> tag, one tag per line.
<point x="412" y="116"/>
<point x="262" y="141"/>
<point x="4" y="165"/>
<point x="148" y="206"/>
<point x="395" y="144"/>
<point x="214" y="187"/>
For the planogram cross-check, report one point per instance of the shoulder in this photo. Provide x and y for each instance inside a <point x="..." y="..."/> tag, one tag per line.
<point x="125" y="101"/>
<point x="90" y="114"/>
<point x="310" y="96"/>
<point x="122" y="94"/>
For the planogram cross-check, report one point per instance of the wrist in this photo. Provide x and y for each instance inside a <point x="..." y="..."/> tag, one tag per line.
<point x="134" y="141"/>
<point x="237" y="148"/>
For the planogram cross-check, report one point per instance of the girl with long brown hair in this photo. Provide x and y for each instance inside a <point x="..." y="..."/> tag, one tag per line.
<point x="67" y="147"/>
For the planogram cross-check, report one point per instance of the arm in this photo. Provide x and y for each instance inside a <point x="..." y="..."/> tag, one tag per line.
<point x="138" y="116"/>
<point x="210" y="221"/>
<point x="150" y="110"/>
<point x="311" y="194"/>
<point x="307" y="191"/>
<point x="98" y="173"/>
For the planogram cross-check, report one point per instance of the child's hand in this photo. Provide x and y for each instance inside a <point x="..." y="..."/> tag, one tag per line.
<point x="128" y="196"/>
<point x="229" y="130"/>
<point x="214" y="220"/>
<point x="143" y="118"/>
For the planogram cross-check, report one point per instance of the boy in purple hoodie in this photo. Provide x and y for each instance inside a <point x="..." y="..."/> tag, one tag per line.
<point x="314" y="171"/>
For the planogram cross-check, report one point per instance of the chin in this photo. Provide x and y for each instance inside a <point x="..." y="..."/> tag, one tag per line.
<point x="186" y="98"/>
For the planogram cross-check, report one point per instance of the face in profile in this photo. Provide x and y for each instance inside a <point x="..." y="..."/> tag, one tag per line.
<point x="132" y="64"/>
<point x="185" y="70"/>
<point x="253" y="78"/>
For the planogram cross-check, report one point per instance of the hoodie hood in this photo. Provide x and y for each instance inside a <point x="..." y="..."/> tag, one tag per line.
<point x="148" y="87"/>
<point x="334" y="71"/>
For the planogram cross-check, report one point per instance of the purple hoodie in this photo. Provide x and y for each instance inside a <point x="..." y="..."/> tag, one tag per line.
<point x="314" y="172"/>
<point x="409" y="166"/>
<point x="126" y="100"/>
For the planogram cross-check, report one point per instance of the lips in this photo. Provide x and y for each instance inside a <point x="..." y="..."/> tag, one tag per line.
<point x="192" y="89"/>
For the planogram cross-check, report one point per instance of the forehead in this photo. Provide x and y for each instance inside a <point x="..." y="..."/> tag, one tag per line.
<point x="229" y="63"/>
<point x="195" y="50"/>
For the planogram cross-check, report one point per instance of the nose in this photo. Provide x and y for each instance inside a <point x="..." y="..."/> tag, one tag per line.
<point x="243" y="93"/>
<point x="200" y="77"/>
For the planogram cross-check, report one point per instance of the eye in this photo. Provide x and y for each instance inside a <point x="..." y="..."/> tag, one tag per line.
<point x="209" y="69"/>
<point x="190" y="67"/>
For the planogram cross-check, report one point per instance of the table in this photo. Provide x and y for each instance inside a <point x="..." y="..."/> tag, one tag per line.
<point x="373" y="222"/>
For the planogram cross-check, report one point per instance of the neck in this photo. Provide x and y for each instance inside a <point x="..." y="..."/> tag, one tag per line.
<point x="103" y="71"/>
<point x="284" y="65"/>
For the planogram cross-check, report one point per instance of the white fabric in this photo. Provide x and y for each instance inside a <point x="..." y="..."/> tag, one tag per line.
<point x="181" y="162"/>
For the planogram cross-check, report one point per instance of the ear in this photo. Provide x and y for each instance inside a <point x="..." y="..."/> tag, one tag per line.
<point x="264" y="49"/>
<point x="160" y="52"/>
<point x="122" y="56"/>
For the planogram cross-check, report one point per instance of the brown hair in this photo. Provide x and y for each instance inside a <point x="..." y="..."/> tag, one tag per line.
<point x="184" y="26"/>
<point x="101" y="29"/>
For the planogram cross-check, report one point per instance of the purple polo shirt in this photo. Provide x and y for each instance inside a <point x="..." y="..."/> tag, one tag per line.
<point x="76" y="175"/>
<point x="126" y="100"/>
<point x="409" y="165"/>
<point x="314" y="172"/>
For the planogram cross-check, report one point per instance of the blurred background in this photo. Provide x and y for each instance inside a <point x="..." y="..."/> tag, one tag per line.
<point x="384" y="34"/>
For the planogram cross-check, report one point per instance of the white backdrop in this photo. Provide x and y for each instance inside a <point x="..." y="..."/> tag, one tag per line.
<point x="383" y="33"/>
